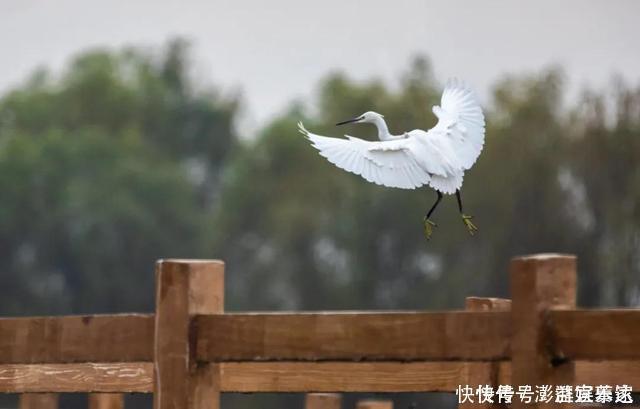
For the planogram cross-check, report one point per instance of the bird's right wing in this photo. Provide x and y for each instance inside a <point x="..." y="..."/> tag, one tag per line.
<point x="388" y="163"/>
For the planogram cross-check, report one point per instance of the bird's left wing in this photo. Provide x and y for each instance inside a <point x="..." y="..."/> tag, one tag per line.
<point x="393" y="166"/>
<point x="461" y="121"/>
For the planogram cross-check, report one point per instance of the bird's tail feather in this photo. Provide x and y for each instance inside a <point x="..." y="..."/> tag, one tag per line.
<point x="446" y="184"/>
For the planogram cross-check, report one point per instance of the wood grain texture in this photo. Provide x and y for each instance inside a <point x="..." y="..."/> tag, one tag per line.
<point x="106" y="401"/>
<point x="172" y="365"/>
<point x="38" y="401"/>
<point x="406" y="336"/>
<point x="487" y="304"/>
<point x="90" y="338"/>
<point x="374" y="404"/>
<point x="398" y="377"/>
<point x="322" y="401"/>
<point x="184" y="288"/>
<point x="206" y="296"/>
<point x="592" y="373"/>
<point x="206" y="286"/>
<point x="88" y="377"/>
<point x="595" y="334"/>
<point x="492" y="369"/>
<point x="299" y="376"/>
<point x="537" y="284"/>
<point x="252" y="377"/>
<point x="204" y="386"/>
<point x="351" y="377"/>
<point x="609" y="373"/>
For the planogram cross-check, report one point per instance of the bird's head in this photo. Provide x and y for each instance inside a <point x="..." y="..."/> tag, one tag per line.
<point x="367" y="117"/>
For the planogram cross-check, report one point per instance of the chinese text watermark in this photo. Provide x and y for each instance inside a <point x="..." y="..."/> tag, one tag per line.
<point x="545" y="394"/>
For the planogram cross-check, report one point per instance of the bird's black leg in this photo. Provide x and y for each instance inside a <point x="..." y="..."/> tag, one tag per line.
<point x="435" y="204"/>
<point x="466" y="219"/>
<point x="459" y="201"/>
<point x="428" y="223"/>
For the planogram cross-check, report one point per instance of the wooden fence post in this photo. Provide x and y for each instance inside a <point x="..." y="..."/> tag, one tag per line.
<point x="484" y="304"/>
<point x="106" y="401"/>
<point x="322" y="401"/>
<point x="185" y="288"/>
<point x="39" y="401"/>
<point x="538" y="283"/>
<point x="374" y="404"/>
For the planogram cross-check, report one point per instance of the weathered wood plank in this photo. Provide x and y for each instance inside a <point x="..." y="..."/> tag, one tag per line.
<point x="87" y="377"/>
<point x="183" y="288"/>
<point x="299" y="376"/>
<point x="487" y="304"/>
<point x="492" y="370"/>
<point x="595" y="334"/>
<point x="374" y="404"/>
<point x="106" y="401"/>
<point x="351" y="376"/>
<point x="90" y="338"/>
<point x="322" y="401"/>
<point x="537" y="284"/>
<point x="591" y="373"/>
<point x="38" y="401"/>
<point x="171" y="363"/>
<point x="406" y="336"/>
<point x="206" y="296"/>
<point x="609" y="373"/>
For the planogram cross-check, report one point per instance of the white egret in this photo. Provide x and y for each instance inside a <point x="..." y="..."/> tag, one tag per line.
<point x="437" y="158"/>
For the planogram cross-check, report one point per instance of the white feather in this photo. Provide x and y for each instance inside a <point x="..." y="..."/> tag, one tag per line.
<point x="437" y="157"/>
<point x="387" y="167"/>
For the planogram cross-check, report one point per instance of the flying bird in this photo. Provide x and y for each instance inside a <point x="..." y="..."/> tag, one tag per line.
<point x="436" y="158"/>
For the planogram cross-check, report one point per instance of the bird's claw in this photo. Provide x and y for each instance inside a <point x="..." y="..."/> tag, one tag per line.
<point x="428" y="228"/>
<point x="469" y="224"/>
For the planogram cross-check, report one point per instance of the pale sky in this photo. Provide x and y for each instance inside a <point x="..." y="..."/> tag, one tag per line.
<point x="277" y="50"/>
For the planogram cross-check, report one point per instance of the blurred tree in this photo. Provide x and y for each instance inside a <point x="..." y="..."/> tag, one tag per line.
<point x="322" y="238"/>
<point x="604" y="186"/>
<point x="104" y="171"/>
<point x="82" y="212"/>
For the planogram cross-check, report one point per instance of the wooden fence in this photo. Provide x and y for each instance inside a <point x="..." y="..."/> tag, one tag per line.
<point x="190" y="351"/>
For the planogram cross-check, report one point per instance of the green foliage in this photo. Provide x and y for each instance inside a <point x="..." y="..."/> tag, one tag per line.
<point x="125" y="159"/>
<point x="319" y="237"/>
<point x="104" y="171"/>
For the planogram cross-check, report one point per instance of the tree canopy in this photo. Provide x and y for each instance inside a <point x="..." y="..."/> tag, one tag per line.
<point x="104" y="170"/>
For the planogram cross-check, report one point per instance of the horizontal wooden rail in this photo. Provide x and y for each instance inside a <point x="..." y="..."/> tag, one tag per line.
<point x="403" y="336"/>
<point x="351" y="377"/>
<point x="91" y="338"/>
<point x="595" y="334"/>
<point x="591" y="373"/>
<point x="87" y="377"/>
<point x="298" y="376"/>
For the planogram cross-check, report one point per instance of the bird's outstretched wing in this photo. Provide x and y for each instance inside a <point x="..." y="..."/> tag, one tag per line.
<point x="460" y="119"/>
<point x="387" y="163"/>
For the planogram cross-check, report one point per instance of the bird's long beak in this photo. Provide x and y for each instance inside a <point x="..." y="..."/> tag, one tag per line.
<point x="348" y="121"/>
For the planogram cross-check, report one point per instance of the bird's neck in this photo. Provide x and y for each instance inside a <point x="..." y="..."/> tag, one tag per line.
<point x="383" y="130"/>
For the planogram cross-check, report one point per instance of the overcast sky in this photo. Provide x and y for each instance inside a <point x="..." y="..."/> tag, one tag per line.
<point x="277" y="50"/>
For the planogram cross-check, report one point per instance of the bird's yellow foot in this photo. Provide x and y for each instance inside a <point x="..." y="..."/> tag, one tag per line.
<point x="469" y="224"/>
<point x="428" y="228"/>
